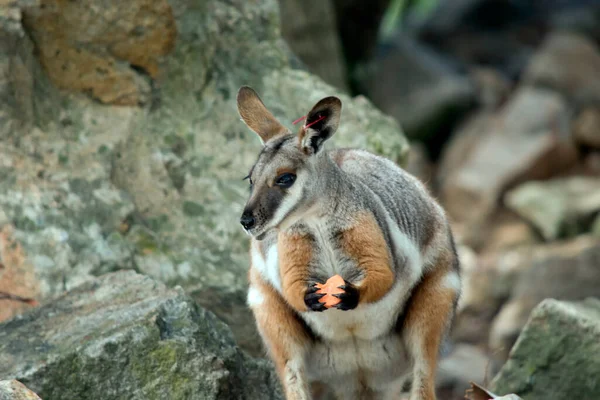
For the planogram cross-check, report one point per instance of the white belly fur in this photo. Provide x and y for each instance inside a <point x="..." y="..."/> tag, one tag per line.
<point x="359" y="343"/>
<point x="377" y="363"/>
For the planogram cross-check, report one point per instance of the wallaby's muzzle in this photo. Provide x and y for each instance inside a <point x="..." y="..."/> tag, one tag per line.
<point x="247" y="220"/>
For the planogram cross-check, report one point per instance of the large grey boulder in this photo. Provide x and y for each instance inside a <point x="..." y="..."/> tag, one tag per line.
<point x="557" y="356"/>
<point x="15" y="390"/>
<point x="127" y="336"/>
<point x="147" y="173"/>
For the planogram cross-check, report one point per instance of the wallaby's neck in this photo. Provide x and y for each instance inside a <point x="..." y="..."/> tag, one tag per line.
<point x="330" y="185"/>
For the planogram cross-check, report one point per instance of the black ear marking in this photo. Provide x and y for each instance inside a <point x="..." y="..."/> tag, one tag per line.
<point x="321" y="123"/>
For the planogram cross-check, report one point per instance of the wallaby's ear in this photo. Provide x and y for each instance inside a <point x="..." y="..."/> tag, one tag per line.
<point x="256" y="116"/>
<point x="321" y="123"/>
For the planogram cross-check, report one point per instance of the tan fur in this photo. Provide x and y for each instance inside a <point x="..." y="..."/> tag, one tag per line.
<point x="295" y="252"/>
<point x="284" y="335"/>
<point x="257" y="117"/>
<point x="427" y="317"/>
<point x="366" y="244"/>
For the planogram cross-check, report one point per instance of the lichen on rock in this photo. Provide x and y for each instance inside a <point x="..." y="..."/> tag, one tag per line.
<point x="556" y="355"/>
<point x="127" y="336"/>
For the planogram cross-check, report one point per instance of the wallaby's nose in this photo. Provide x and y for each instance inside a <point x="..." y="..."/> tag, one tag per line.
<point x="247" y="220"/>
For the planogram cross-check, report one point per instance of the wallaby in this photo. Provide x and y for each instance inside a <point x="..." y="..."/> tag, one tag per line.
<point x="314" y="213"/>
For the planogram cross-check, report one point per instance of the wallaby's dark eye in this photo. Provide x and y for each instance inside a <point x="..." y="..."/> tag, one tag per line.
<point x="285" y="180"/>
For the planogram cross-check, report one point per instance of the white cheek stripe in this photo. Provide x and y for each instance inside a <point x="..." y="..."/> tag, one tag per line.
<point x="289" y="202"/>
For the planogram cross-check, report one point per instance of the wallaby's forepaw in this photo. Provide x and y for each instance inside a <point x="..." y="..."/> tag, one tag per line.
<point x="348" y="299"/>
<point x="311" y="298"/>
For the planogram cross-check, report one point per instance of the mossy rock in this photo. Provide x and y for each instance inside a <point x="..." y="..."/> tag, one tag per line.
<point x="126" y="336"/>
<point x="557" y="355"/>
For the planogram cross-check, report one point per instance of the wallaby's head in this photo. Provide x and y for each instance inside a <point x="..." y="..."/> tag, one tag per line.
<point x="282" y="181"/>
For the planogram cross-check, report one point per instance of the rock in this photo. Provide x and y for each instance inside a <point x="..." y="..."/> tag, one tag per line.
<point x="18" y="282"/>
<point x="15" y="390"/>
<point x="507" y="232"/>
<point x="91" y="187"/>
<point x="555" y="356"/>
<point x="320" y="49"/>
<point x="492" y="88"/>
<point x="462" y="142"/>
<point x="124" y="335"/>
<point x="463" y="365"/>
<point x="570" y="64"/>
<point x="527" y="139"/>
<point x="586" y="128"/>
<point x="563" y="271"/>
<point x="426" y="97"/>
<point x="488" y="281"/>
<point x="562" y="207"/>
<point x="78" y="53"/>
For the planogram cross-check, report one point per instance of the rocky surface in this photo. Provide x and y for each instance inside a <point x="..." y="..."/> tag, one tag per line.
<point x="568" y="63"/>
<point x="125" y="335"/>
<point x="143" y="167"/>
<point x="557" y="208"/>
<point x="15" y="390"/>
<point x="556" y="355"/>
<point x="563" y="271"/>
<point x="527" y="139"/>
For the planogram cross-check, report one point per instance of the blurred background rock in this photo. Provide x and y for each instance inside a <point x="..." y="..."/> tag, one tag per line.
<point x="121" y="148"/>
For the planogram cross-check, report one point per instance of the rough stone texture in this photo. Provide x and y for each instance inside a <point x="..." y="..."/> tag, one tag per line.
<point x="557" y="208"/>
<point x="17" y="277"/>
<point x="527" y="139"/>
<point x="124" y="335"/>
<point x="564" y="271"/>
<point x="91" y="188"/>
<point x="556" y="355"/>
<point x="570" y="64"/>
<point x="15" y="390"/>
<point x="79" y="53"/>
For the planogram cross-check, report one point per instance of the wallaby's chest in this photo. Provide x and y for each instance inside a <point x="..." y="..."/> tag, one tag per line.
<point x="328" y="256"/>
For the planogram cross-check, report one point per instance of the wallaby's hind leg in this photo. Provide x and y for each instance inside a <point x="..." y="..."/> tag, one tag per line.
<point x="285" y="337"/>
<point x="428" y="315"/>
